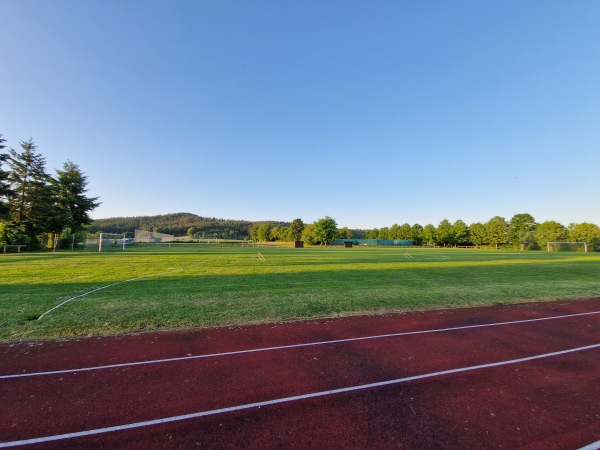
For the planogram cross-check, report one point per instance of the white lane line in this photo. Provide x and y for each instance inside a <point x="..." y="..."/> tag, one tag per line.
<point x="283" y="347"/>
<point x="285" y="399"/>
<point x="592" y="446"/>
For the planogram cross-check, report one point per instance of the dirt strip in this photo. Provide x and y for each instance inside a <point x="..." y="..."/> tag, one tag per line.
<point x="552" y="402"/>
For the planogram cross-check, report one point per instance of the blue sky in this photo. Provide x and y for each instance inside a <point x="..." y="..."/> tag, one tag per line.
<point x="373" y="113"/>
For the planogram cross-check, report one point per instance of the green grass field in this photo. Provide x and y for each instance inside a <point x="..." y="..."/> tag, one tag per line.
<point x="208" y="286"/>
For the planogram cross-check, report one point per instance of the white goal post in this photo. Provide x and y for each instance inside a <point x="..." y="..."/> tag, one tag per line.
<point x="552" y="244"/>
<point x="111" y="240"/>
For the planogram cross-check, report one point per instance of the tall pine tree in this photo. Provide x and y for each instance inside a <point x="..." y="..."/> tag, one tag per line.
<point x="70" y="185"/>
<point x="5" y="191"/>
<point x="33" y="204"/>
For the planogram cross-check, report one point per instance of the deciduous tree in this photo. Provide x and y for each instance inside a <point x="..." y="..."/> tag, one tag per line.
<point x="550" y="231"/>
<point x="585" y="232"/>
<point x="478" y="234"/>
<point x="416" y="234"/>
<point x="308" y="234"/>
<point x="325" y="230"/>
<point x="429" y="234"/>
<point x="496" y="229"/>
<point x="296" y="229"/>
<point x="344" y="233"/>
<point x="444" y="233"/>
<point x="460" y="231"/>
<point x="520" y="229"/>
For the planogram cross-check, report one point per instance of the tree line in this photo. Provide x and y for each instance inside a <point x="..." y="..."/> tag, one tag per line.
<point x="521" y="231"/>
<point x="38" y="209"/>
<point x="320" y="232"/>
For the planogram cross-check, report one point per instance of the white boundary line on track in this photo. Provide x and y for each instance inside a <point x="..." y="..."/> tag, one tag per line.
<point x="284" y="347"/>
<point x="285" y="399"/>
<point x="592" y="446"/>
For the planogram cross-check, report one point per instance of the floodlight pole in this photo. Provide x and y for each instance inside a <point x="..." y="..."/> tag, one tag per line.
<point x="100" y="243"/>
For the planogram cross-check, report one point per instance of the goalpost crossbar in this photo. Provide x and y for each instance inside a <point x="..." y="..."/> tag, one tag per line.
<point x="585" y="245"/>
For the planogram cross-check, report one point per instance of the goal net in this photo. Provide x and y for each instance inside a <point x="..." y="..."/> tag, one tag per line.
<point x="152" y="236"/>
<point x="568" y="247"/>
<point x="106" y="241"/>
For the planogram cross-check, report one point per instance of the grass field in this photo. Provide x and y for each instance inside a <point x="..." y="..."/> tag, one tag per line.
<point x="208" y="286"/>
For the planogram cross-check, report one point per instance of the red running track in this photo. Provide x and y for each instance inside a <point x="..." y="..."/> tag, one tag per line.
<point x="338" y="383"/>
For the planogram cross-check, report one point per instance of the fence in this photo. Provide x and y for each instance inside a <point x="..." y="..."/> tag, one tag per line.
<point x="152" y="236"/>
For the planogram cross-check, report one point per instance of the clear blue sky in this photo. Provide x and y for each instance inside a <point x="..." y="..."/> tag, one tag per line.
<point x="373" y="113"/>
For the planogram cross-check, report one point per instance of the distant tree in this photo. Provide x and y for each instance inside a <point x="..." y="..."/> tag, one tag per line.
<point x="191" y="232"/>
<point x="394" y="232"/>
<point x="496" y="229"/>
<point x="325" y="230"/>
<point x="405" y="232"/>
<point x="263" y="232"/>
<point x="550" y="231"/>
<point x="344" y="233"/>
<point x="429" y="234"/>
<point x="296" y="229"/>
<point x="416" y="234"/>
<point x="585" y="232"/>
<point x="478" y="235"/>
<point x="444" y="233"/>
<point x="460" y="231"/>
<point x="372" y="234"/>
<point x="284" y="234"/>
<point x="275" y="236"/>
<point x="253" y="233"/>
<point x="308" y="235"/>
<point x="384" y="233"/>
<point x="521" y="229"/>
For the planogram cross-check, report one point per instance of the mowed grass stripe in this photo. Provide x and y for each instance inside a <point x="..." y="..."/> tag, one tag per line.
<point x="230" y="286"/>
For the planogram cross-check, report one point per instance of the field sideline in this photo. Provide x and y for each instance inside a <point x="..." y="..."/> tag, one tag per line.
<point x="147" y="289"/>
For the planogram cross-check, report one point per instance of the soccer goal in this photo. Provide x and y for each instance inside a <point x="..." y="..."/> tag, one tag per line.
<point x="106" y="241"/>
<point x="568" y="247"/>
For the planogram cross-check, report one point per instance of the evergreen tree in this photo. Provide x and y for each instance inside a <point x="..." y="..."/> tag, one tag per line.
<point x="5" y="191"/>
<point x="74" y="206"/>
<point x="33" y="204"/>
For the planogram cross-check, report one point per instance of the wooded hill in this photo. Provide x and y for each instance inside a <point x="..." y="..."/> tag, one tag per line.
<point x="178" y="224"/>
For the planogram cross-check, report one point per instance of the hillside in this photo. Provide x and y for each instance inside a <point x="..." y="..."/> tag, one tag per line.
<point x="178" y="224"/>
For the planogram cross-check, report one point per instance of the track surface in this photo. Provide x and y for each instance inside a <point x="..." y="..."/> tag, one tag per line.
<point x="552" y="401"/>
